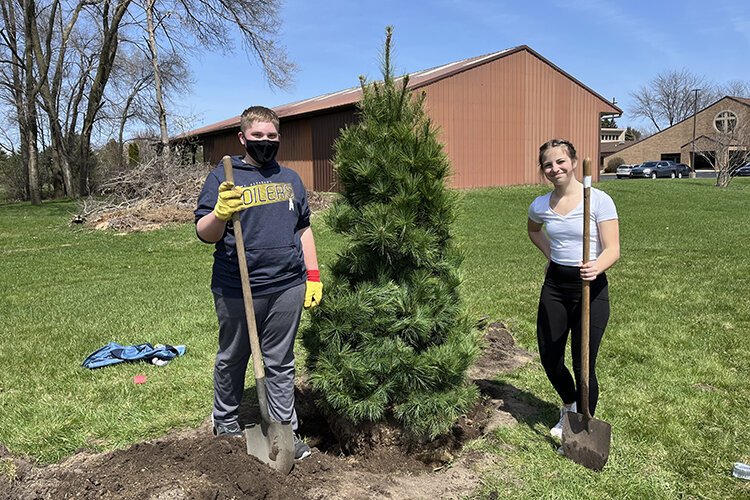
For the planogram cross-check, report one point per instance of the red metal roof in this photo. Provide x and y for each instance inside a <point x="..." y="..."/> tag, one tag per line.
<point x="349" y="97"/>
<point x="233" y="122"/>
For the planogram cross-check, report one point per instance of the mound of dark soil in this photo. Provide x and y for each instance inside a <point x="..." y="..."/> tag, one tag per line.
<point x="194" y="464"/>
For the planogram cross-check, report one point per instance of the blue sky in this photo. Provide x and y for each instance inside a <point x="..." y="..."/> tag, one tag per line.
<point x="612" y="47"/>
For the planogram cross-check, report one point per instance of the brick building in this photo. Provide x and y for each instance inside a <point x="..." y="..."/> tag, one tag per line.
<point x="676" y="142"/>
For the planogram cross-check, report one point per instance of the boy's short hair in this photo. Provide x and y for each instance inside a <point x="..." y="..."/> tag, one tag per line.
<point x="258" y="114"/>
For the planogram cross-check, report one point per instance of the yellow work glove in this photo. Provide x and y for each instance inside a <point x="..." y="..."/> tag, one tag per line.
<point x="313" y="289"/>
<point x="229" y="202"/>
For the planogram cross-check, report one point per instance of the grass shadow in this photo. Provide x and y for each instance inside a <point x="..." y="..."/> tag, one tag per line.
<point x="525" y="407"/>
<point x="51" y="208"/>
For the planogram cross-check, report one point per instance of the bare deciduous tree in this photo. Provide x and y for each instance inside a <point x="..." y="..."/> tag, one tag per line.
<point x="131" y="81"/>
<point x="19" y="86"/>
<point x="58" y="57"/>
<point x="256" y="23"/>
<point x="131" y="98"/>
<point x="109" y="14"/>
<point x="735" y="88"/>
<point x="31" y="90"/>
<point x="670" y="97"/>
<point x="50" y="55"/>
<point x="217" y="23"/>
<point x="728" y="148"/>
<point x="158" y="90"/>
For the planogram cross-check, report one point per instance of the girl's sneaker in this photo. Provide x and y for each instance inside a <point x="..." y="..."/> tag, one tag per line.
<point x="556" y="431"/>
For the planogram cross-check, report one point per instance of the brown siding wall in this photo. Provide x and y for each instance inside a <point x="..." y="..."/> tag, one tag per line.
<point x="325" y="130"/>
<point x="478" y="113"/>
<point x="557" y="107"/>
<point x="217" y="145"/>
<point x="494" y="118"/>
<point x="295" y="150"/>
<point x="307" y="147"/>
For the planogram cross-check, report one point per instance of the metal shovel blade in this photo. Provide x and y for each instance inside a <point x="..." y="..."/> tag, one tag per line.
<point x="272" y="443"/>
<point x="586" y="441"/>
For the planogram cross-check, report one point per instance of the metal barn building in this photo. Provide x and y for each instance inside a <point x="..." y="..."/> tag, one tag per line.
<point x="493" y="112"/>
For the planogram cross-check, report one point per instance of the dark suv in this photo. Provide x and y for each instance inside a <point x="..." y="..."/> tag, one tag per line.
<point x="682" y="170"/>
<point x="743" y="171"/>
<point x="654" y="169"/>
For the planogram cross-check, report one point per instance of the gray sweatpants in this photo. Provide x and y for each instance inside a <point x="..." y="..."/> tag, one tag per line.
<point x="277" y="317"/>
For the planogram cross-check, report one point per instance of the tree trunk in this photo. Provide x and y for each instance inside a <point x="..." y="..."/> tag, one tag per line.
<point x="164" y="135"/>
<point x="121" y="147"/>
<point x="84" y="186"/>
<point x="107" y="55"/>
<point x="61" y="154"/>
<point x="19" y="85"/>
<point x="29" y="13"/>
<point x="50" y="93"/>
<point x="66" y="173"/>
<point x="32" y="152"/>
<point x="723" y="178"/>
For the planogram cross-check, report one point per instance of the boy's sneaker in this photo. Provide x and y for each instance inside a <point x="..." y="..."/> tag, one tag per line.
<point x="226" y="428"/>
<point x="556" y="431"/>
<point x="301" y="450"/>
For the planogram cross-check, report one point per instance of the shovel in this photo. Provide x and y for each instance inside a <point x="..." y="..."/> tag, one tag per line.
<point x="585" y="439"/>
<point x="270" y="442"/>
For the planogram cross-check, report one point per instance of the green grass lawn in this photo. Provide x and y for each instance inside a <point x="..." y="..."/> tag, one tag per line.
<point x="674" y="367"/>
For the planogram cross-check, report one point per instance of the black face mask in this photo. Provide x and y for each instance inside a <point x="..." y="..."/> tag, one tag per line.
<point x="263" y="152"/>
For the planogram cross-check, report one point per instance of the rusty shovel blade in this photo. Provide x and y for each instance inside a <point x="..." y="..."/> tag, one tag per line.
<point x="586" y="441"/>
<point x="272" y="443"/>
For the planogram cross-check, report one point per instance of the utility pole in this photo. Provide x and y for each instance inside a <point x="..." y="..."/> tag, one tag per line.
<point x="695" y="112"/>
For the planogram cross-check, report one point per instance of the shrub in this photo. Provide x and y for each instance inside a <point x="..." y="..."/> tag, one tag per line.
<point x="13" y="177"/>
<point x="613" y="163"/>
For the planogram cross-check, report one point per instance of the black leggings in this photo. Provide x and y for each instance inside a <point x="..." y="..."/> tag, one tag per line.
<point x="560" y="313"/>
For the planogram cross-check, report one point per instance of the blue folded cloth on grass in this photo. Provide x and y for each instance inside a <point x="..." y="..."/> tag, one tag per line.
<point x="114" y="353"/>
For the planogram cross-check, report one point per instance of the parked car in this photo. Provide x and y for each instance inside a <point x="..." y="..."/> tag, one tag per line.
<point x="743" y="171"/>
<point x="624" y="170"/>
<point x="654" y="169"/>
<point x="682" y="170"/>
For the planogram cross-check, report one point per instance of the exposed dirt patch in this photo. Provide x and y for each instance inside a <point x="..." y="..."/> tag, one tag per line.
<point x="194" y="464"/>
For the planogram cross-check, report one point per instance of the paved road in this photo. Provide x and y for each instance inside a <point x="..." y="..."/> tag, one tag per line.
<point x="701" y="174"/>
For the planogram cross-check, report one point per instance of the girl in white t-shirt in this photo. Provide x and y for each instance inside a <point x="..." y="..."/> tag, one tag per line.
<point x="555" y="226"/>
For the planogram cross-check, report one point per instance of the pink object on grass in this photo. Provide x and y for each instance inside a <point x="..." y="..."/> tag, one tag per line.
<point x="139" y="379"/>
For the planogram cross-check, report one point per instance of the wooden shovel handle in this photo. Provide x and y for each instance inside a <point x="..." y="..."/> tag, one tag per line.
<point x="247" y="296"/>
<point x="585" y="292"/>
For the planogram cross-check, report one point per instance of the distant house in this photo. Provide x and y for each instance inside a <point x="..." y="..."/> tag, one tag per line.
<point x="611" y="135"/>
<point x="676" y="142"/>
<point x="493" y="112"/>
<point x="612" y="140"/>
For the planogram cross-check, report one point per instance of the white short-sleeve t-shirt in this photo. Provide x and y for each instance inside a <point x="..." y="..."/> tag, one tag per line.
<point x="566" y="231"/>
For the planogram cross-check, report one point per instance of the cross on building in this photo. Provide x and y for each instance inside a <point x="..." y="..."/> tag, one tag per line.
<point x="725" y="122"/>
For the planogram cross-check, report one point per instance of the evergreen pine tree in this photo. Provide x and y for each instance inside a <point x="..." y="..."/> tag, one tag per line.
<point x="391" y="339"/>
<point x="632" y="134"/>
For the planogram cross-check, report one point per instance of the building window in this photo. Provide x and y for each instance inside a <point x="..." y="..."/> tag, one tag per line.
<point x="725" y="122"/>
